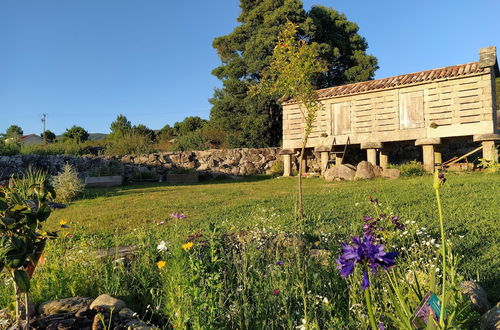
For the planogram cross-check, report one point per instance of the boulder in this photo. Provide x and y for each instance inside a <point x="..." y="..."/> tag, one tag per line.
<point x="364" y="170"/>
<point x="391" y="173"/>
<point x="107" y="302"/>
<point x="476" y="295"/>
<point x="339" y="171"/>
<point x="491" y="319"/>
<point x="378" y="171"/>
<point x="66" y="305"/>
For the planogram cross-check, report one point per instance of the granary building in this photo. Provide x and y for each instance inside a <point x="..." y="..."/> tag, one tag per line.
<point x="424" y="108"/>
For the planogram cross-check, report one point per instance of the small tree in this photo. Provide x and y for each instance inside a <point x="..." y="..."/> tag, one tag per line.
<point x="76" y="133"/>
<point x="48" y="136"/>
<point x="120" y="126"/>
<point x="294" y="67"/>
<point x="13" y="131"/>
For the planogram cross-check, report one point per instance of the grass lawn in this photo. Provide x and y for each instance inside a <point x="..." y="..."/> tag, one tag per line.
<point x="139" y="215"/>
<point x="471" y="206"/>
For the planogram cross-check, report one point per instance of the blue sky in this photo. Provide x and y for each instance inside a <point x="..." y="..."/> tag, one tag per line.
<point x="86" y="61"/>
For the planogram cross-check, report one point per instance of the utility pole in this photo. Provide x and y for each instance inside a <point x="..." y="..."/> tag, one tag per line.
<point x="44" y="119"/>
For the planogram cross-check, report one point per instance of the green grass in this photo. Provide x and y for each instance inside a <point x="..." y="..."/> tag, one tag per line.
<point x="471" y="206"/>
<point x="129" y="215"/>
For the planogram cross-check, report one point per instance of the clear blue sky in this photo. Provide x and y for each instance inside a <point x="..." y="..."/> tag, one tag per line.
<point x="86" y="61"/>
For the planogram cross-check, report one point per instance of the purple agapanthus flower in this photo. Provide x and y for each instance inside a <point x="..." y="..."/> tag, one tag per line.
<point x="366" y="252"/>
<point x="395" y="221"/>
<point x="177" y="215"/>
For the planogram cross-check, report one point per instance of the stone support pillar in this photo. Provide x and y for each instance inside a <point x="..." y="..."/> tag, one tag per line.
<point x="428" y="152"/>
<point x="384" y="158"/>
<point x="489" y="143"/>
<point x="324" y="152"/>
<point x="371" y="156"/>
<point x="325" y="157"/>
<point x="287" y="161"/>
<point x="371" y="151"/>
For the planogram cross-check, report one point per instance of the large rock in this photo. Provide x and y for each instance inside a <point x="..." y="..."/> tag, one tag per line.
<point x="339" y="171"/>
<point x="364" y="170"/>
<point x="107" y="302"/>
<point x="66" y="305"/>
<point x="476" y="295"/>
<point x="391" y="173"/>
<point x="491" y="319"/>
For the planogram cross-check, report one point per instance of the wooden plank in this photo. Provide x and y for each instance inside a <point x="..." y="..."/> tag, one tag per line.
<point x="411" y="110"/>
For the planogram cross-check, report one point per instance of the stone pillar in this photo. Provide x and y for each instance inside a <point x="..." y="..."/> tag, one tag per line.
<point x="438" y="157"/>
<point x="490" y="152"/>
<point x="371" y="156"/>
<point x="489" y="143"/>
<point x="371" y="151"/>
<point x="325" y="156"/>
<point x="428" y="151"/>
<point x="287" y="161"/>
<point x="304" y="165"/>
<point x="384" y="158"/>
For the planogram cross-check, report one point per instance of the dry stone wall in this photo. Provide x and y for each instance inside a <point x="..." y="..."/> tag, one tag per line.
<point x="215" y="163"/>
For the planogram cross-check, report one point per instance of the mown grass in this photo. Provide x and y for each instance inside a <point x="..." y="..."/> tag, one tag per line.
<point x="131" y="215"/>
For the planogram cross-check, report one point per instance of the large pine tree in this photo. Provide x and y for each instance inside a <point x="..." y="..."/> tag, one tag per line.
<point x="256" y="121"/>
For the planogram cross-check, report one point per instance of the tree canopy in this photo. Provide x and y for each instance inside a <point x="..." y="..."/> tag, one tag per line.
<point x="13" y="131"/>
<point x="255" y="121"/>
<point x="49" y="136"/>
<point x="120" y="126"/>
<point x="76" y="133"/>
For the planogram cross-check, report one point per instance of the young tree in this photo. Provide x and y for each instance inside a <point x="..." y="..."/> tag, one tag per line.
<point x="143" y="130"/>
<point x="292" y="74"/>
<point x="120" y="126"/>
<point x="257" y="122"/>
<point x="13" y="131"/>
<point x="189" y="124"/>
<point x="48" y="136"/>
<point x="76" y="133"/>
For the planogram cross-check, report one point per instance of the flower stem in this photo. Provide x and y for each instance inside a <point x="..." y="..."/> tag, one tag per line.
<point x="371" y="317"/>
<point x="443" y="252"/>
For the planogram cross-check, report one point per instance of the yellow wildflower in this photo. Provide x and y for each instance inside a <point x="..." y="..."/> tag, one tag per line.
<point x="187" y="246"/>
<point x="63" y="222"/>
<point x="161" y="264"/>
<point x="317" y="243"/>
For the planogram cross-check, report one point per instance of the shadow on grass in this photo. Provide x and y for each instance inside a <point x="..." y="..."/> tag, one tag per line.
<point x="91" y="193"/>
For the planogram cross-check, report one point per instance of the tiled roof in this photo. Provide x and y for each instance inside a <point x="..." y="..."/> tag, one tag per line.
<point x="400" y="81"/>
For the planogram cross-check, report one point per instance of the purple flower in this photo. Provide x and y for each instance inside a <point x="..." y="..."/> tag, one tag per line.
<point x="366" y="252"/>
<point x="380" y="326"/>
<point x="177" y="215"/>
<point x="366" y="281"/>
<point x="395" y="221"/>
<point x="279" y="263"/>
<point x="442" y="178"/>
<point x="276" y="292"/>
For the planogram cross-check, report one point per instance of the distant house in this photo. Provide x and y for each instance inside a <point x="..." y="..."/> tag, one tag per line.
<point x="31" y="139"/>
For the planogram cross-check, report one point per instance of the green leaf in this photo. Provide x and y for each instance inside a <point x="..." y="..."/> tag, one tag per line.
<point x="3" y="205"/>
<point x="22" y="280"/>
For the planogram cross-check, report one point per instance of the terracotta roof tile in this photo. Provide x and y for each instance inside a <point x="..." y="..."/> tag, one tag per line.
<point x="402" y="80"/>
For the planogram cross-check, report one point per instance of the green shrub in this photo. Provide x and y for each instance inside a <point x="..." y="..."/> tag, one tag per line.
<point x="110" y="168"/>
<point x="68" y="147"/>
<point x="9" y="149"/>
<point x="413" y="168"/>
<point x="130" y="143"/>
<point x="144" y="175"/>
<point x="67" y="184"/>
<point x="489" y="166"/>
<point x="21" y="186"/>
<point x="277" y="168"/>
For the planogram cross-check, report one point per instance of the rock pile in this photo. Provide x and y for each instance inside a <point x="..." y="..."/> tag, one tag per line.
<point x="364" y="171"/>
<point x="104" y="312"/>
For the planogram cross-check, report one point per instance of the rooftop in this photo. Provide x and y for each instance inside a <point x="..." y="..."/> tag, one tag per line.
<point x="467" y="69"/>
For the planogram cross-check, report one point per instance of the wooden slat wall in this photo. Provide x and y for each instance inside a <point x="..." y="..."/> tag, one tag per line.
<point x="448" y="102"/>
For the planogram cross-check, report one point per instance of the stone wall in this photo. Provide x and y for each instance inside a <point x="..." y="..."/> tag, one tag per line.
<point x="231" y="162"/>
<point x="214" y="163"/>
